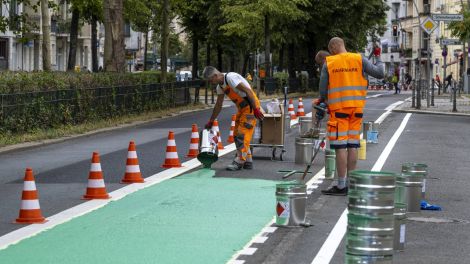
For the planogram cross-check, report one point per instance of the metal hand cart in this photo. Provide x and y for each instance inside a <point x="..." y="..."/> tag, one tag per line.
<point x="276" y="137"/>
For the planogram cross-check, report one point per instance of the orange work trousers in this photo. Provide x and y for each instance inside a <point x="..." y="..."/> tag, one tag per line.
<point x="245" y="123"/>
<point x="344" y="127"/>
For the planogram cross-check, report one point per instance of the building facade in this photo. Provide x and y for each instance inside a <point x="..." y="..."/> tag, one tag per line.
<point x="404" y="39"/>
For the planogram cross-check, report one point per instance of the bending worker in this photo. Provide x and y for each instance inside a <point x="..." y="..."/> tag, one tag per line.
<point x="239" y="91"/>
<point x="343" y="86"/>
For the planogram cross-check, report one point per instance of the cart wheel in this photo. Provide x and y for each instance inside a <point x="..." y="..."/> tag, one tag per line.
<point x="274" y="154"/>
<point x="280" y="156"/>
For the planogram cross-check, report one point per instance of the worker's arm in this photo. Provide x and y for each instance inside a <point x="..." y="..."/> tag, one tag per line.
<point x="323" y="86"/>
<point x="249" y="94"/>
<point x="376" y="71"/>
<point x="254" y="104"/>
<point x="217" y="107"/>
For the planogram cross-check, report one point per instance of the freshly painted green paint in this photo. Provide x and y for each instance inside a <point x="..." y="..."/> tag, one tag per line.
<point x="194" y="218"/>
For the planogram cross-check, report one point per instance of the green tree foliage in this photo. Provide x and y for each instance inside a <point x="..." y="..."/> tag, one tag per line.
<point x="19" y="23"/>
<point x="461" y="29"/>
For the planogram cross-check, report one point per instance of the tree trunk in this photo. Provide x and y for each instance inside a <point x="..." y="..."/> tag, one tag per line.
<point x="246" y="58"/>
<point x="291" y="61"/>
<point x="219" y="57"/>
<point x="73" y="39"/>
<point x="232" y="62"/>
<point x="311" y="58"/>
<point x="114" y="53"/>
<point x="208" y="53"/>
<point x="46" y="35"/>
<point x="94" y="44"/>
<point x="195" y="56"/>
<point x="267" y="46"/>
<point x="165" y="37"/>
<point x="281" y="57"/>
<point x="146" y="48"/>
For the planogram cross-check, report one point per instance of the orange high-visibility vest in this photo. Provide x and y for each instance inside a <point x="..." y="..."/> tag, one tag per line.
<point x="347" y="86"/>
<point x="240" y="102"/>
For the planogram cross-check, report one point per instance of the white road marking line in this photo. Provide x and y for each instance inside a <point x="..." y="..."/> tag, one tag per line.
<point x="330" y="245"/>
<point x="269" y="229"/>
<point x="388" y="149"/>
<point x="328" y="248"/>
<point x="86" y="207"/>
<point x="260" y="239"/>
<point x="248" y="251"/>
<point x="374" y="96"/>
<point x="236" y="262"/>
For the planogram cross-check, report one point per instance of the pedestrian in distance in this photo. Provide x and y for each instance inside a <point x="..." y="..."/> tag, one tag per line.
<point x="408" y="80"/>
<point x="343" y="86"/>
<point x="395" y="79"/>
<point x="448" y="79"/>
<point x="240" y="92"/>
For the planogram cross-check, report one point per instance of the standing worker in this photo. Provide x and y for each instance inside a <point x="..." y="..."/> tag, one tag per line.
<point x="343" y="87"/>
<point x="249" y="109"/>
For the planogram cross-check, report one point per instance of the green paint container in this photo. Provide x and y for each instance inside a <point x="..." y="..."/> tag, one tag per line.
<point x="330" y="163"/>
<point x="291" y="199"/>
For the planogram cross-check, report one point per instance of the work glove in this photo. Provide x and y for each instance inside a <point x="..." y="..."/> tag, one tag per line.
<point x="209" y="124"/>
<point x="377" y="51"/>
<point x="258" y="114"/>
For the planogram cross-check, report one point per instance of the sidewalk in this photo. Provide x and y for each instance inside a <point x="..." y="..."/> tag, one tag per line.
<point x="442" y="106"/>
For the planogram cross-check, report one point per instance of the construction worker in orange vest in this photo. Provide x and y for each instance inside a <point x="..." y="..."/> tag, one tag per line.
<point x="343" y="86"/>
<point x="249" y="109"/>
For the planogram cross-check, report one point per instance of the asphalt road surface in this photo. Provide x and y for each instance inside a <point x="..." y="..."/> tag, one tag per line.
<point x="441" y="142"/>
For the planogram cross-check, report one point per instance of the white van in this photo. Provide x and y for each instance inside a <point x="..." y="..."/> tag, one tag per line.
<point x="186" y="75"/>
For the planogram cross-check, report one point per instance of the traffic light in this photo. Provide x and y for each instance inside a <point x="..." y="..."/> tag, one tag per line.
<point x="395" y="30"/>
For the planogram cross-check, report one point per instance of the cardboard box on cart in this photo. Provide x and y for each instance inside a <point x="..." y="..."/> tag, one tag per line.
<point x="272" y="129"/>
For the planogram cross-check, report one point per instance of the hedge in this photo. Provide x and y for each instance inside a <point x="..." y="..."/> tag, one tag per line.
<point x="44" y="107"/>
<point x="16" y="82"/>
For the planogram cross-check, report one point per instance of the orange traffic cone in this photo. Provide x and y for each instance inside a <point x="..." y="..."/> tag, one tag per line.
<point x="171" y="159"/>
<point x="300" y="108"/>
<point x="291" y="110"/>
<point x="30" y="211"/>
<point x="194" y="143"/>
<point x="133" y="174"/>
<point x="96" y="188"/>
<point x="232" y="128"/>
<point x="215" y="128"/>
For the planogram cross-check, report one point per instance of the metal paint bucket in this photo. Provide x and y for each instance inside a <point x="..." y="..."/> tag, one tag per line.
<point x="418" y="169"/>
<point x="290" y="204"/>
<point x="304" y="150"/>
<point x="208" y="151"/>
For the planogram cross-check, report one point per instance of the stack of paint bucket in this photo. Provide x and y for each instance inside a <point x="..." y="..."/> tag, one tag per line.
<point x="370" y="230"/>
<point x="400" y="213"/>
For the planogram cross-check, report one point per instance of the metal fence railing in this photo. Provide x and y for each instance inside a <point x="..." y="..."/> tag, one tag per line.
<point x="41" y="109"/>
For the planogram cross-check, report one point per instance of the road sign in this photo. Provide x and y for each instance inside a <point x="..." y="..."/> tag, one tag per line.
<point x="447" y="17"/>
<point x="451" y="42"/>
<point x="429" y="25"/>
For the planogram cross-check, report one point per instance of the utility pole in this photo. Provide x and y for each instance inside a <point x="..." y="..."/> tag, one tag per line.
<point x="418" y="89"/>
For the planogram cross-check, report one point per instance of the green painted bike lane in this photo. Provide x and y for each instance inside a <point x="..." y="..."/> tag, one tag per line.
<point x="194" y="218"/>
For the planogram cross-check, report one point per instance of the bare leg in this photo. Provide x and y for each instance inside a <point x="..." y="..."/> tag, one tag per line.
<point x="341" y="162"/>
<point x="352" y="159"/>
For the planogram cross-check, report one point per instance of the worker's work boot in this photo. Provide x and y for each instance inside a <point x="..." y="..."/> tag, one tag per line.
<point x="235" y="166"/>
<point x="248" y="165"/>
<point x="335" y="191"/>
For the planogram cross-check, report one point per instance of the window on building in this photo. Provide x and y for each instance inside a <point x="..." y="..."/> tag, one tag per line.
<point x="3" y="49"/>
